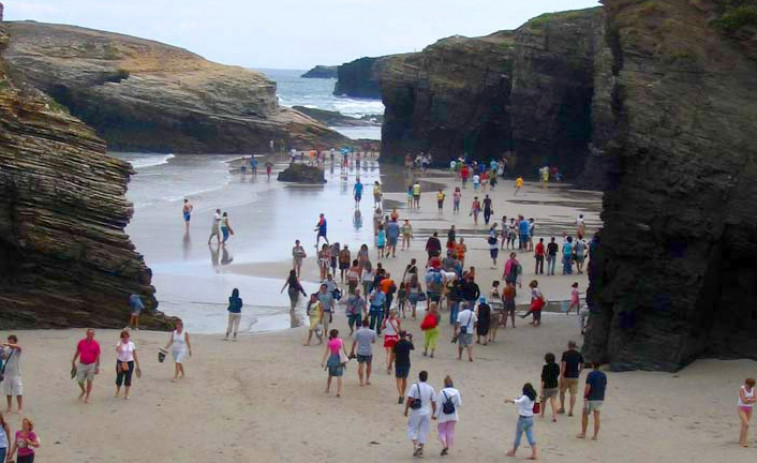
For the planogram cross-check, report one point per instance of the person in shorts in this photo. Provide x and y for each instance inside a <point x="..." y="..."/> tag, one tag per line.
<point x="186" y="211"/>
<point x="594" y="397"/>
<point x="550" y="374"/>
<point x="12" y="385"/>
<point x="570" y="368"/>
<point x="508" y="303"/>
<point x="363" y="339"/>
<point x="464" y="328"/>
<point x="136" y="305"/>
<point x="88" y="354"/>
<point x="401" y="352"/>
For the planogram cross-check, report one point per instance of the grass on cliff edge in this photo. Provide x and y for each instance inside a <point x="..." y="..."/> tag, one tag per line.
<point x="737" y="17"/>
<point x="543" y="20"/>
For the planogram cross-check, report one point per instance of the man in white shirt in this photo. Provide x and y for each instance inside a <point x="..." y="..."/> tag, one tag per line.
<point x="420" y="416"/>
<point x="464" y="328"/>
<point x="215" y="229"/>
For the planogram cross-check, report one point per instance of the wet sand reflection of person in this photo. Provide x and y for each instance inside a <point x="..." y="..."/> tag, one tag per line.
<point x="357" y="220"/>
<point x="186" y="244"/>
<point x="226" y="256"/>
<point x="215" y="256"/>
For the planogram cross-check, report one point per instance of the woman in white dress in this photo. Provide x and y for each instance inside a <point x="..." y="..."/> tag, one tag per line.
<point x="181" y="347"/>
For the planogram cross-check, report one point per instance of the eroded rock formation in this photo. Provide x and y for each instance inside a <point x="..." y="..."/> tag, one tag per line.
<point x="322" y="72"/>
<point x="359" y="78"/>
<point x="301" y="173"/>
<point x="675" y="277"/>
<point x="64" y="257"/>
<point x="142" y="95"/>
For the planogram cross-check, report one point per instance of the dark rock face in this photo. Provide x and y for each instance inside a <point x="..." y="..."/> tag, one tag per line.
<point x="359" y="78"/>
<point x="333" y="118"/>
<point x="65" y="260"/>
<point x="142" y="95"/>
<point x="301" y="173"/>
<point x="322" y="72"/>
<point x="675" y="277"/>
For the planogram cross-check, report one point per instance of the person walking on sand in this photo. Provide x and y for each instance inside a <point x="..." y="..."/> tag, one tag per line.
<point x="492" y="242"/>
<point x="298" y="256"/>
<point x="326" y="298"/>
<point x="376" y="194"/>
<point x="12" y="386"/>
<point x="392" y="234"/>
<point x="525" y="404"/>
<point x="498" y="313"/>
<point x="363" y="339"/>
<point x="511" y="272"/>
<point x="402" y="362"/>
<point x="180" y="348"/>
<point x="391" y="328"/>
<point x="484" y="316"/>
<point x="518" y="185"/>
<point x="417" y="194"/>
<point x="571" y="364"/>
<point x="321" y="229"/>
<point x="5" y="438"/>
<point x="315" y="317"/>
<point x="407" y="234"/>
<point x="464" y="326"/>
<point x="88" y="354"/>
<point x="268" y="170"/>
<point x="235" y="314"/>
<point x="421" y="400"/>
<point x="539" y="252"/>
<point x="215" y="228"/>
<point x="126" y="359"/>
<point x="186" y="211"/>
<point x="456" y="197"/>
<point x="475" y="209"/>
<point x="345" y="258"/>
<point x="574" y="299"/>
<point x="440" y="199"/>
<point x="334" y="363"/>
<point x="431" y="330"/>
<point x="377" y="303"/>
<point x="746" y="405"/>
<point x="538" y="302"/>
<point x="488" y="211"/>
<point x="508" y="304"/>
<point x="594" y="397"/>
<point x="448" y="403"/>
<point x="24" y="443"/>
<point x="294" y="288"/>
<point x="358" y="192"/>
<point x="136" y="305"/>
<point x="353" y="277"/>
<point x="550" y="373"/>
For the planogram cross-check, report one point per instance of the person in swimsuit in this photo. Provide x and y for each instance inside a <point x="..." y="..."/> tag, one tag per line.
<point x="298" y="254"/>
<point x="226" y="229"/>
<point x="187" y="212"/>
<point x="358" y="191"/>
<point x="475" y="210"/>
<point x="746" y="404"/>
<point x="179" y="341"/>
<point x="321" y="228"/>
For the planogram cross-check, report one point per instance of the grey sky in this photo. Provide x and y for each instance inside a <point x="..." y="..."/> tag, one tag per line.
<point x="294" y="34"/>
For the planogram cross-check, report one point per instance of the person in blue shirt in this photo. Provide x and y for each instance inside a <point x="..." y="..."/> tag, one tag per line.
<point x="594" y="397"/>
<point x="254" y="165"/>
<point x="523" y="231"/>
<point x="358" y="191"/>
<point x="135" y="302"/>
<point x="567" y="256"/>
<point x="235" y="314"/>
<point x="393" y="235"/>
<point x="376" y="311"/>
<point x="320" y="227"/>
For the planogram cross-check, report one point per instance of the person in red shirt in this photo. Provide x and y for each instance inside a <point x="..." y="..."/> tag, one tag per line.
<point x="464" y="174"/>
<point x="88" y="353"/>
<point x="539" y="255"/>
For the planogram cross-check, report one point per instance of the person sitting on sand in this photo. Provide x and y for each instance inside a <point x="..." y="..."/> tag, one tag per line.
<point x="746" y="404"/>
<point x="525" y="404"/>
<point x="594" y="397"/>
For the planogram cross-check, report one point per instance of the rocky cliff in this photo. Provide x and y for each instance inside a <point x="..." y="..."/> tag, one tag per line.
<point x="64" y="257"/>
<point x="322" y="72"/>
<point x="676" y="273"/>
<point x="141" y="95"/>
<point x="359" y="78"/>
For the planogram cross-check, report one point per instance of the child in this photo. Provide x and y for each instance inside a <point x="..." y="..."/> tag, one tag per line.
<point x="476" y="181"/>
<point x="574" y="300"/>
<point x="495" y="301"/>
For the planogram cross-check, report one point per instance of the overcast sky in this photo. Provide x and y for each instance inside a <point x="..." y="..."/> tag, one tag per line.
<point x="294" y="34"/>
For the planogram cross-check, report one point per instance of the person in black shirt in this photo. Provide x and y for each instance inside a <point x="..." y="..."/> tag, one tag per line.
<point x="433" y="246"/>
<point x="488" y="211"/>
<point x="594" y="397"/>
<point x="550" y="374"/>
<point x="551" y="256"/>
<point x="453" y="300"/>
<point x="571" y="365"/>
<point x="401" y="352"/>
<point x="469" y="291"/>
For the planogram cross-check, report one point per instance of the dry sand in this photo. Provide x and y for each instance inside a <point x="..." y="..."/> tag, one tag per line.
<point x="262" y="398"/>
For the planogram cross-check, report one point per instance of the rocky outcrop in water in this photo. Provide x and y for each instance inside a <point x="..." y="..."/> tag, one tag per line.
<point x="64" y="257"/>
<point x="360" y="78"/>
<point x="675" y="277"/>
<point x="322" y="72"/>
<point x="142" y="95"/>
<point x="302" y="173"/>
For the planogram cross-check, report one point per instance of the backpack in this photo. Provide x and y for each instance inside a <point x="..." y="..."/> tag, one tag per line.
<point x="416" y="404"/>
<point x="448" y="407"/>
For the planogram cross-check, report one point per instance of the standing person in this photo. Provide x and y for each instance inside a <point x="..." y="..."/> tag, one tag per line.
<point x="24" y="443"/>
<point x="126" y="358"/>
<point x="226" y="229"/>
<point x="571" y="364"/>
<point x="322" y="229"/>
<point x="433" y="246"/>
<point x="186" y="211"/>
<point x="580" y="226"/>
<point x="334" y="251"/>
<point x="326" y="298"/>
<point x="380" y="241"/>
<point x="401" y="352"/>
<point x="456" y="197"/>
<point x="5" y="438"/>
<point x="378" y="302"/>
<point x="567" y="256"/>
<point x="10" y="352"/>
<point x="344" y="261"/>
<point x="254" y="165"/>
<point x="523" y="233"/>
<point x="475" y="209"/>
<point x="314" y="313"/>
<point x="88" y="354"/>
<point x="476" y="181"/>
<point x="466" y="323"/>
<point x="392" y="234"/>
<point x="464" y="174"/>
<point x="268" y="170"/>
<point x="376" y="194"/>
<point x="355" y="309"/>
<point x="417" y="194"/>
<point x="235" y="314"/>
<point x="440" y="199"/>
<point x="294" y="290"/>
<point x="366" y="277"/>
<point x="550" y="373"/>
<point x="407" y="234"/>
<point x="525" y="404"/>
<point x="518" y="185"/>
<point x="579" y="253"/>
<point x="539" y="256"/>
<point x="434" y="285"/>
<point x="363" y="339"/>
<point x="484" y="316"/>
<point x="508" y="303"/>
<point x="410" y="196"/>
<point x="551" y="256"/>
<point x="215" y="228"/>
<point x="574" y="299"/>
<point x="512" y="265"/>
<point x="594" y="397"/>
<point x="324" y="261"/>
<point x="446" y="415"/>
<point x="421" y="402"/>
<point x="498" y="313"/>
<point x="746" y="405"/>
<point x="358" y="192"/>
<point x="135" y="302"/>
<point x="179" y="341"/>
<point x="461" y="249"/>
<point x="430" y="328"/>
<point x="334" y="363"/>
<point x="492" y="241"/>
<point x="298" y="255"/>
<point x="488" y="211"/>
<point x="538" y="301"/>
<point x="391" y="328"/>
<point x="353" y="277"/>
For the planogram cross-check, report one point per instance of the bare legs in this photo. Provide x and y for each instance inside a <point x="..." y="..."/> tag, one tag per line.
<point x="744" y="415"/>
<point x="585" y="424"/>
<point x="367" y="367"/>
<point x="19" y="400"/>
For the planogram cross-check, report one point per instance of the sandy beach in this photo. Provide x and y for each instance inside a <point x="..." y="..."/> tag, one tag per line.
<point x="262" y="398"/>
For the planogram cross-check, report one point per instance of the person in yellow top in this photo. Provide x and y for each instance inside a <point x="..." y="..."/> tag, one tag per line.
<point x="518" y="185"/>
<point x="376" y="194"/>
<point x="314" y="312"/>
<point x="461" y="249"/>
<point x="417" y="194"/>
<point x="440" y="199"/>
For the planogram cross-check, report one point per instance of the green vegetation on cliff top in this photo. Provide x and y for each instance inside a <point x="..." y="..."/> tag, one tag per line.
<point x="543" y="20"/>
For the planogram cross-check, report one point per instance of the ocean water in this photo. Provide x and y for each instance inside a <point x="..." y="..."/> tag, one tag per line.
<point x="293" y="90"/>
